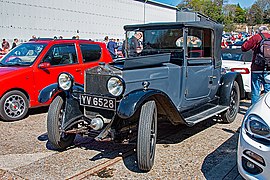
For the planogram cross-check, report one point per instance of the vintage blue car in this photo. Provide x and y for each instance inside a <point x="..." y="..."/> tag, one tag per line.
<point x="172" y="71"/>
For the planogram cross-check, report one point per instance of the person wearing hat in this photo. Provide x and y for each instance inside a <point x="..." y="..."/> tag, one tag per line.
<point x="135" y="44"/>
<point x="258" y="73"/>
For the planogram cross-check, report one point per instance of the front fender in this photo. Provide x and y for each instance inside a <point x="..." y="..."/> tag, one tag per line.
<point x="226" y="87"/>
<point x="135" y="99"/>
<point x="50" y="91"/>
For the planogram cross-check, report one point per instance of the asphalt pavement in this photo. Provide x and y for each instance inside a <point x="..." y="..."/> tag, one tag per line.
<point x="204" y="151"/>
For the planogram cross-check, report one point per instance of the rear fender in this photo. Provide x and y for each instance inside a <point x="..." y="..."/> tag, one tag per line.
<point x="133" y="101"/>
<point x="226" y="87"/>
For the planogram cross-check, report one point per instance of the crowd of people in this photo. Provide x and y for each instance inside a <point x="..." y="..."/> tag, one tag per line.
<point x="229" y="39"/>
<point x="260" y="64"/>
<point x="114" y="46"/>
<point x="248" y="42"/>
<point x="5" y="47"/>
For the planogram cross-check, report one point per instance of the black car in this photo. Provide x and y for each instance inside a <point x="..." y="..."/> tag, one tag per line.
<point x="175" y="75"/>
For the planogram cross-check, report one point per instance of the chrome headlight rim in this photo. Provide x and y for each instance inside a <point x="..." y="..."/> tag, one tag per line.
<point x="249" y="127"/>
<point x="65" y="85"/>
<point x="119" y="94"/>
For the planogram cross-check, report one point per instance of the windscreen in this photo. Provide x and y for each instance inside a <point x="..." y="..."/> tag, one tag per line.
<point x="155" y="41"/>
<point x="23" y="55"/>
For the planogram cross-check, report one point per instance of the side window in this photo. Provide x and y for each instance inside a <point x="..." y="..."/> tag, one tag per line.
<point x="199" y="43"/>
<point x="61" y="54"/>
<point x="90" y="52"/>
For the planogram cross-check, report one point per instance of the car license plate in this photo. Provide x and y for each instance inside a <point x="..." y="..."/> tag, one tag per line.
<point x="98" y="102"/>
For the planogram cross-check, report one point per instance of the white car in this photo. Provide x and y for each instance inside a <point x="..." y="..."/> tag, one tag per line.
<point x="238" y="61"/>
<point x="254" y="141"/>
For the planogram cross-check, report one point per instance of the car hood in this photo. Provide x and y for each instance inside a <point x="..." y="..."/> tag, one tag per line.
<point x="267" y="99"/>
<point x="8" y="70"/>
<point x="261" y="108"/>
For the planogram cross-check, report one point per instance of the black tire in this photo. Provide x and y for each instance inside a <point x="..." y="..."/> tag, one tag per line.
<point x="147" y="134"/>
<point x="248" y="95"/>
<point x="58" y="139"/>
<point x="14" y="106"/>
<point x="229" y="115"/>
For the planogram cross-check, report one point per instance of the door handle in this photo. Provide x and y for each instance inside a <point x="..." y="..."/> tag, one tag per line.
<point x="78" y="70"/>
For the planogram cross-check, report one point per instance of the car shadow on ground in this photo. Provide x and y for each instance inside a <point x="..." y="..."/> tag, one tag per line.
<point x="38" y="110"/>
<point x="167" y="134"/>
<point x="32" y="111"/>
<point x="170" y="134"/>
<point x="222" y="163"/>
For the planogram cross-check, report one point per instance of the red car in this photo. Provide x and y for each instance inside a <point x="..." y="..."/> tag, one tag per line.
<point x="31" y="66"/>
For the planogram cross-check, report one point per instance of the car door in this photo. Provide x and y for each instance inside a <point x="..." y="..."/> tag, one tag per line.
<point x="199" y="71"/>
<point x="61" y="58"/>
<point x="91" y="55"/>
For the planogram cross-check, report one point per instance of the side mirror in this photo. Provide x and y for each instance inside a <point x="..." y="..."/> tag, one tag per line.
<point x="44" y="65"/>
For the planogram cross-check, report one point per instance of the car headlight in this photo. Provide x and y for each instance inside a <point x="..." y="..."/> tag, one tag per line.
<point x="115" y="86"/>
<point x="65" y="81"/>
<point x="257" y="128"/>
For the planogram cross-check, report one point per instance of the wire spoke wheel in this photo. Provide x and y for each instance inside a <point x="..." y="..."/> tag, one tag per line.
<point x="147" y="135"/>
<point x="229" y="115"/>
<point x="56" y="135"/>
<point x="233" y="103"/>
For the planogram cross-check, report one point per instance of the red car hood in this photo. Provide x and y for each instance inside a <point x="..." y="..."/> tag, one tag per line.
<point x="9" y="70"/>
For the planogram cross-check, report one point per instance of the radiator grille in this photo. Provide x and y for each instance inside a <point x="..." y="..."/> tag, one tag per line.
<point x="97" y="84"/>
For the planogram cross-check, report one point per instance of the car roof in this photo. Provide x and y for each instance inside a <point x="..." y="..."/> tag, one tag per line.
<point x="199" y="24"/>
<point x="51" y="40"/>
<point x="216" y="27"/>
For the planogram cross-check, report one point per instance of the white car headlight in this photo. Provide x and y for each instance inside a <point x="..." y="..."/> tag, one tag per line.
<point x="267" y="78"/>
<point x="115" y="86"/>
<point x="65" y="81"/>
<point x="257" y="128"/>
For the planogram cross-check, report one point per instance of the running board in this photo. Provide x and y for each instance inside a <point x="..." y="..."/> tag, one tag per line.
<point x="197" y="115"/>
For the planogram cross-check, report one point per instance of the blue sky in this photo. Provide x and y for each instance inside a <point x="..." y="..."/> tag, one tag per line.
<point x="243" y="3"/>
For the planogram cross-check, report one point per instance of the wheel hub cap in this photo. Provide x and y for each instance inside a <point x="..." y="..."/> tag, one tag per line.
<point x="14" y="106"/>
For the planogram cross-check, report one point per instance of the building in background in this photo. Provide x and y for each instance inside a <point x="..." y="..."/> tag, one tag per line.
<point x="87" y="18"/>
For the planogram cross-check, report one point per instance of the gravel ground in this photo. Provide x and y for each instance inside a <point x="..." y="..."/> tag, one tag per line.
<point x="205" y="151"/>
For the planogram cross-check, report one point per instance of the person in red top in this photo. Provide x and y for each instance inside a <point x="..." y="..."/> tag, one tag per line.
<point x="257" y="72"/>
<point x="239" y="36"/>
<point x="224" y="43"/>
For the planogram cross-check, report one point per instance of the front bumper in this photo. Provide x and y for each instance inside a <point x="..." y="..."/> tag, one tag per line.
<point x="246" y="143"/>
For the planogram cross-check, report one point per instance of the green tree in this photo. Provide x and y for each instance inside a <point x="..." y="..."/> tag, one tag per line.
<point x="211" y="8"/>
<point x="266" y="16"/>
<point x="240" y="15"/>
<point x="214" y="10"/>
<point x="264" y="5"/>
<point x="255" y="15"/>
